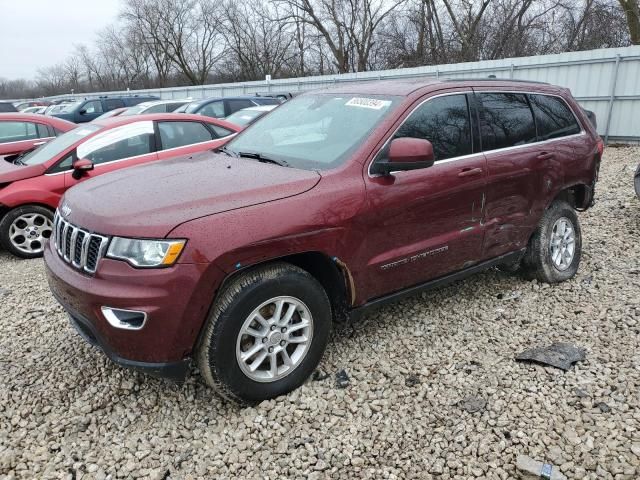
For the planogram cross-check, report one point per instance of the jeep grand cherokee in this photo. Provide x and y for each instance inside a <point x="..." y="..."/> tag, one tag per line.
<point x="337" y="202"/>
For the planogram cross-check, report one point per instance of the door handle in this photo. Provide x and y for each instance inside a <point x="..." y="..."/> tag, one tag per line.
<point x="469" y="172"/>
<point x="545" y="155"/>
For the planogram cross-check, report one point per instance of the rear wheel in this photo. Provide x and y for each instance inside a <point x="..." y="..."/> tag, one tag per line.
<point x="555" y="249"/>
<point x="266" y="333"/>
<point x="25" y="230"/>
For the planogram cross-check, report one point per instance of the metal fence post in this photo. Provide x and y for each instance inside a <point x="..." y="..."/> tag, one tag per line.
<point x="612" y="94"/>
<point x="511" y="71"/>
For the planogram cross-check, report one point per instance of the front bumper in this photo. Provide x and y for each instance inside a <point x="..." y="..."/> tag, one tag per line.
<point x="175" y="299"/>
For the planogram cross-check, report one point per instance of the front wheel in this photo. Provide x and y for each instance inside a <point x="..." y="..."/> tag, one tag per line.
<point x="265" y="334"/>
<point x="25" y="230"/>
<point x="555" y="249"/>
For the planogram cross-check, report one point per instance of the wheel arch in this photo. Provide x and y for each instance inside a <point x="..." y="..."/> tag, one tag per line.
<point x="579" y="196"/>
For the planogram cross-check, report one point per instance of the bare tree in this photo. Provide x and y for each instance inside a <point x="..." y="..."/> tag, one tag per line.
<point x="631" y="10"/>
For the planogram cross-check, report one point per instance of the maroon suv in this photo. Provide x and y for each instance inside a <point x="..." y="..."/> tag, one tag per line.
<point x="336" y="202"/>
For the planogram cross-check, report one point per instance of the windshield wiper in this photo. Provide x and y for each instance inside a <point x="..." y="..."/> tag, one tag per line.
<point x="262" y="159"/>
<point x="226" y="151"/>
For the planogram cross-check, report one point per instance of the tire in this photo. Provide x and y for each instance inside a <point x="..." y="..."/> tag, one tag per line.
<point x="542" y="260"/>
<point x="223" y="342"/>
<point x="36" y="220"/>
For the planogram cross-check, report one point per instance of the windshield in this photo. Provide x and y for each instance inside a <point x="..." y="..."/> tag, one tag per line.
<point x="58" y="145"/>
<point x="136" y="110"/>
<point x="314" y="131"/>
<point x="69" y="107"/>
<point x="244" y="117"/>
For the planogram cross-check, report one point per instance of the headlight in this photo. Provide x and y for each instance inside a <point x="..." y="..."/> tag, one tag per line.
<point x="146" y="253"/>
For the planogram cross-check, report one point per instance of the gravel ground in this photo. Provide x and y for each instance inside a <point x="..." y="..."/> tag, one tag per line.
<point x="67" y="412"/>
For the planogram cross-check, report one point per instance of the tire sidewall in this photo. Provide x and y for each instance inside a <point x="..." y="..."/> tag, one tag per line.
<point x="546" y="264"/>
<point x="7" y="221"/>
<point x="222" y="349"/>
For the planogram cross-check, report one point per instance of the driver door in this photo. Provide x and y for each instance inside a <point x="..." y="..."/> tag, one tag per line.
<point x="423" y="224"/>
<point x="120" y="147"/>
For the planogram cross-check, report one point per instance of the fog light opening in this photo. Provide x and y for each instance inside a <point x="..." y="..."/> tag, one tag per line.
<point x="124" y="319"/>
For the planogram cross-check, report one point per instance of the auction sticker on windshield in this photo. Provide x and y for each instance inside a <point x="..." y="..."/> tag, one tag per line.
<point x="373" y="103"/>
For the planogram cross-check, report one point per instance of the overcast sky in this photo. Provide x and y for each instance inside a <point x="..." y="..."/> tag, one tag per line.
<point x="39" y="33"/>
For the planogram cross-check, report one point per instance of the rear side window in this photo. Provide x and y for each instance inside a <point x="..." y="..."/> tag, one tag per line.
<point x="219" y="132"/>
<point x="213" y="109"/>
<point x="554" y="119"/>
<point x="267" y="101"/>
<point x="507" y="120"/>
<point x="17" y="131"/>
<point x="161" y="108"/>
<point x="43" y="131"/>
<point x="444" y="121"/>
<point x="239" y="104"/>
<point x="179" y="134"/>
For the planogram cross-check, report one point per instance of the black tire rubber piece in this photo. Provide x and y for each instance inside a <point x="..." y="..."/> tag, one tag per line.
<point x="8" y="219"/>
<point x="537" y="261"/>
<point x="216" y="351"/>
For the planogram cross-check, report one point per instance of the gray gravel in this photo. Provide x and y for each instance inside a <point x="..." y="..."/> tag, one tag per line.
<point x="415" y="368"/>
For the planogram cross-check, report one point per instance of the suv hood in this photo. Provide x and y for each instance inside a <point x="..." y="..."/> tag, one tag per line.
<point x="152" y="199"/>
<point x="10" y="172"/>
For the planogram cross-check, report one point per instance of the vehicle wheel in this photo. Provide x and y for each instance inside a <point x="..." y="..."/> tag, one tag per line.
<point x="25" y="230"/>
<point x="266" y="333"/>
<point x="554" y="251"/>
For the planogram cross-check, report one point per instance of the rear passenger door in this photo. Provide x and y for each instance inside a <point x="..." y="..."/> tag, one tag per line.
<point x="233" y="105"/>
<point x="514" y="161"/>
<point x="111" y="104"/>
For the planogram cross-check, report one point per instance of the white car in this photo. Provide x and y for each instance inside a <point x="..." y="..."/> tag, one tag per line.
<point x="247" y="116"/>
<point x="157" y="106"/>
<point x="34" y="110"/>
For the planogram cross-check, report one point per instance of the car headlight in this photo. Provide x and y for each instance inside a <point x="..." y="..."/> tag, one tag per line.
<point x="146" y="253"/>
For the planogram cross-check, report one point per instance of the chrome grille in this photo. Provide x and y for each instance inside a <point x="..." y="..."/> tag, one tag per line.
<point x="78" y="247"/>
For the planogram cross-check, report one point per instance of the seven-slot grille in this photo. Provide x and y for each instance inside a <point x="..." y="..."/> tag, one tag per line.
<point x="78" y="247"/>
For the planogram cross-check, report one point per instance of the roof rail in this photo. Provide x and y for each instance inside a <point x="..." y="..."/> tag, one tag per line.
<point x="494" y="79"/>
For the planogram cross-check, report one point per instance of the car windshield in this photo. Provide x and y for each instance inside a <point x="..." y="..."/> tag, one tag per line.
<point x="314" y="132"/>
<point x="69" y="107"/>
<point x="136" y="110"/>
<point x="244" y="117"/>
<point x="58" y="145"/>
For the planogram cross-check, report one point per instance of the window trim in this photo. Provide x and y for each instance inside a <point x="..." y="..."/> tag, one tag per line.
<point x="482" y="151"/>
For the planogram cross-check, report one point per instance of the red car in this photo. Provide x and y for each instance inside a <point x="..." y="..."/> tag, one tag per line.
<point x="20" y="132"/>
<point x="335" y="203"/>
<point x="31" y="185"/>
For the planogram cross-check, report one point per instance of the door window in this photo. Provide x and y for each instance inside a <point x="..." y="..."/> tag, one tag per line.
<point x="213" y="109"/>
<point x="178" y="134"/>
<point x="94" y="106"/>
<point x="113" y="103"/>
<point x="17" y="131"/>
<point x="238" y="104"/>
<point x="554" y="119"/>
<point x="508" y="120"/>
<point x="43" y="131"/>
<point x="117" y="143"/>
<point x="444" y="121"/>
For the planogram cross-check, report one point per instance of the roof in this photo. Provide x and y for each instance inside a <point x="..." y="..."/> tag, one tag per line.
<point x="406" y="87"/>
<point x="36" y="117"/>
<point x="123" y="120"/>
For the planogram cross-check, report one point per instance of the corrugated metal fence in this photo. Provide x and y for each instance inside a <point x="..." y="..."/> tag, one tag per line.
<point x="606" y="81"/>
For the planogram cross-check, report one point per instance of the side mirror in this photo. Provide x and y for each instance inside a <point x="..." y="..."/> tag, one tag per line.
<point x="406" y="154"/>
<point x="81" y="166"/>
<point x="82" y="112"/>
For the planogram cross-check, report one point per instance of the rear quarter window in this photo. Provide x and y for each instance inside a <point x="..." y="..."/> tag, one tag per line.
<point x="554" y="118"/>
<point x="507" y="120"/>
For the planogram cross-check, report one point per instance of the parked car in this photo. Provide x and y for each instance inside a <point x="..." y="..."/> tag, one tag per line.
<point x="55" y="108"/>
<point x="37" y="110"/>
<point x="7" y="107"/>
<point x="223" y="107"/>
<point x="112" y="113"/>
<point x="20" y="132"/>
<point x="342" y="201"/>
<point x="34" y="103"/>
<point x="86" y="110"/>
<point x="247" y="116"/>
<point x="31" y="186"/>
<point x="157" y="106"/>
